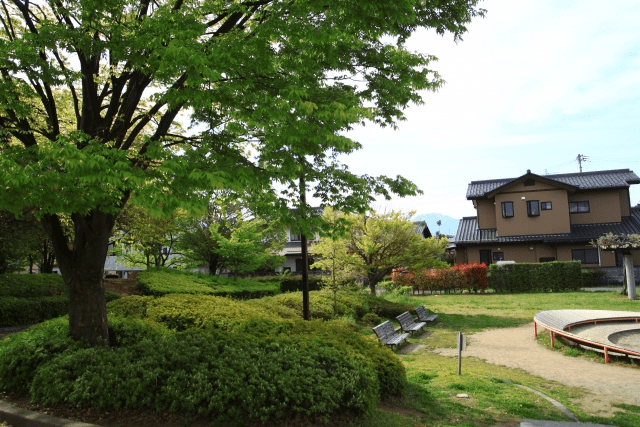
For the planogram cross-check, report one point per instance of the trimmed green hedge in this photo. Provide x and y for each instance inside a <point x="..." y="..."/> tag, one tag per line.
<point x="557" y="276"/>
<point x="593" y="278"/>
<point x="169" y="281"/>
<point x="31" y="285"/>
<point x="26" y="299"/>
<point x="16" y="311"/>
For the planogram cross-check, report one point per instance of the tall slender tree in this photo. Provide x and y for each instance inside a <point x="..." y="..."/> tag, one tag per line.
<point x="92" y="91"/>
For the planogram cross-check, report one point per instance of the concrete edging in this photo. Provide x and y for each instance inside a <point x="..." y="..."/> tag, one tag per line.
<point x="20" y="417"/>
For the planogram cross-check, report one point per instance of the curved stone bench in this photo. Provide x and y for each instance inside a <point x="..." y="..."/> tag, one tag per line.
<point x="593" y="329"/>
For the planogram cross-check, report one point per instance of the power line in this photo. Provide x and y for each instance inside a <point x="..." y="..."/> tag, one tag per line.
<point x="581" y="158"/>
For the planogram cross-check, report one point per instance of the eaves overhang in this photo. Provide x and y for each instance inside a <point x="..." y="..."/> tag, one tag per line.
<point x="529" y="175"/>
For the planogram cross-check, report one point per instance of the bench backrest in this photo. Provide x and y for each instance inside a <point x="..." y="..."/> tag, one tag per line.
<point x="421" y="312"/>
<point x="405" y="319"/>
<point x="384" y="330"/>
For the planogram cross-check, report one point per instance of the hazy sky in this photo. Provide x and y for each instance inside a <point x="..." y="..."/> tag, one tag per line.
<point x="532" y="85"/>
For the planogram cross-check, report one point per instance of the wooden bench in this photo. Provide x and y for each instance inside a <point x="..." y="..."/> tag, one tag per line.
<point x="387" y="334"/>
<point x="424" y="316"/>
<point x="408" y="324"/>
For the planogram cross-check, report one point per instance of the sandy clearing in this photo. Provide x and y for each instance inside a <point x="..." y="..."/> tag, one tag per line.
<point x="517" y="348"/>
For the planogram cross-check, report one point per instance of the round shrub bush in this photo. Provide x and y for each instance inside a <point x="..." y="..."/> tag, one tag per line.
<point x="371" y="319"/>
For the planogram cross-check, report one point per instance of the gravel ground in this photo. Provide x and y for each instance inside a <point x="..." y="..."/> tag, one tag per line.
<point x="517" y="348"/>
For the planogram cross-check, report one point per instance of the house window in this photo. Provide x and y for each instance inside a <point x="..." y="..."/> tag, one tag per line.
<point x="579" y="207"/>
<point x="545" y="206"/>
<point x="498" y="256"/>
<point x="586" y="256"/>
<point x="507" y="209"/>
<point x="533" y="208"/>
<point x="295" y="237"/>
<point x="529" y="182"/>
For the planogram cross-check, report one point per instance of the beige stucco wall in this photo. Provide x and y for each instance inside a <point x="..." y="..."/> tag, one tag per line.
<point x="625" y="203"/>
<point x="486" y="214"/>
<point x="607" y="259"/>
<point x="551" y="221"/>
<point x="604" y="206"/>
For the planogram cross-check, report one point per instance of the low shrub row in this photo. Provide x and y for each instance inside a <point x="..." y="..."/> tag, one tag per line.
<point x="557" y="276"/>
<point x="294" y="283"/>
<point x="461" y="277"/>
<point x="17" y="311"/>
<point x="592" y="278"/>
<point x="169" y="281"/>
<point x="31" y="285"/>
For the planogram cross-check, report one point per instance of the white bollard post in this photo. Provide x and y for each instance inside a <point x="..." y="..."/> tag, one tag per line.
<point x="631" y="277"/>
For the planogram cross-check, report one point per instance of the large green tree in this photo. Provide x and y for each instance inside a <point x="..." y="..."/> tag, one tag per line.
<point x="379" y="242"/>
<point x="92" y="91"/>
<point x="229" y="237"/>
<point x="141" y="238"/>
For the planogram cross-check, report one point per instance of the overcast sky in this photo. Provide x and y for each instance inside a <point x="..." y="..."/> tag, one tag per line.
<point x="532" y="85"/>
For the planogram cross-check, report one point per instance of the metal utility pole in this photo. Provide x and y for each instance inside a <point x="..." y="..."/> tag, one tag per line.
<point x="581" y="158"/>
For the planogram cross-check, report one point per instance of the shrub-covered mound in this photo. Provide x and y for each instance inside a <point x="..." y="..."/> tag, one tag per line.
<point x="31" y="285"/>
<point x="354" y="304"/>
<point x="32" y="298"/>
<point x="169" y="281"/>
<point x="230" y="360"/>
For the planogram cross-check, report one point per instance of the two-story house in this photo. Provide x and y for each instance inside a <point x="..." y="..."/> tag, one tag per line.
<point x="538" y="218"/>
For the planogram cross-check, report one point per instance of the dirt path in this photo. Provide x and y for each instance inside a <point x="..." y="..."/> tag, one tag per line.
<point x="517" y="348"/>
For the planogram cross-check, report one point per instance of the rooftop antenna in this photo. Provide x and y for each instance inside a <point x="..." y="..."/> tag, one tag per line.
<point x="581" y="158"/>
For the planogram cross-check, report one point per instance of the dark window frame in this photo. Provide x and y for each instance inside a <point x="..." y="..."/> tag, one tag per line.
<point x="485" y="253"/>
<point x="292" y="237"/>
<point x="543" y="206"/>
<point x="498" y="256"/>
<point x="581" y="255"/>
<point x="530" y="210"/>
<point x="577" y="206"/>
<point x="504" y="212"/>
<point x="529" y="182"/>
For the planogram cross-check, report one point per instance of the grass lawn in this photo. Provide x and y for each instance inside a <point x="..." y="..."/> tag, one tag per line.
<point x="434" y="384"/>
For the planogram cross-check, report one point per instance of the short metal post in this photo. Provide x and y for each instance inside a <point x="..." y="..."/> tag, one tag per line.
<point x="535" y="329"/>
<point x="551" y="336"/>
<point x="606" y="355"/>
<point x="459" y="353"/>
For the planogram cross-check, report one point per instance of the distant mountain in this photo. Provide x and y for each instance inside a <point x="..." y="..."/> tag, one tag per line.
<point x="449" y="225"/>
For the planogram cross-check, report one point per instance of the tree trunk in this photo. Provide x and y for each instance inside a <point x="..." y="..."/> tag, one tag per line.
<point x="374" y="278"/>
<point x="48" y="259"/>
<point x="213" y="264"/>
<point x="82" y="268"/>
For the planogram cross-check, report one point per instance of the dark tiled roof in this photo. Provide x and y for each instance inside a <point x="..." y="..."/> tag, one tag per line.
<point x="468" y="232"/>
<point x="635" y="213"/>
<point x="421" y="227"/>
<point x="583" y="181"/>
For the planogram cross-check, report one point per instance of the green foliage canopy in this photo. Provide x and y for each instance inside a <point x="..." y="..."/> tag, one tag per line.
<point x="92" y="94"/>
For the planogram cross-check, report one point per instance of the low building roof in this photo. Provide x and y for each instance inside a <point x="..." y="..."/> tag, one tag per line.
<point x="617" y="178"/>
